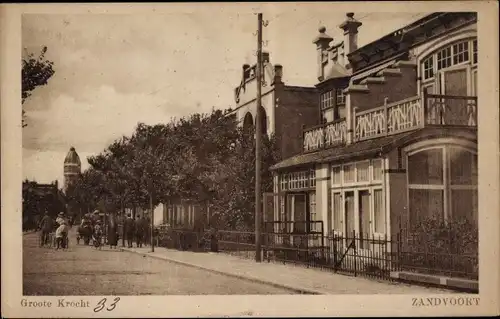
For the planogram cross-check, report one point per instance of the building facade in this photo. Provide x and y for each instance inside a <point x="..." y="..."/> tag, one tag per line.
<point x="72" y="167"/>
<point x="284" y="107"/>
<point x="396" y="136"/>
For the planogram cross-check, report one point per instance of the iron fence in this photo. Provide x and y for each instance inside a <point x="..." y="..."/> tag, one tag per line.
<point x="353" y="254"/>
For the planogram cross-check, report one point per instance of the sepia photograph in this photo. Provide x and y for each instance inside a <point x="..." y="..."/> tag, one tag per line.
<point x="273" y="152"/>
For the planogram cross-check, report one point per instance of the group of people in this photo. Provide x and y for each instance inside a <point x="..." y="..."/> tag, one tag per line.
<point x="61" y="226"/>
<point x="91" y="226"/>
<point x="137" y="229"/>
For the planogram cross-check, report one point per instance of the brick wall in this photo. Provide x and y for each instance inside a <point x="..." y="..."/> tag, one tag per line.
<point x="296" y="107"/>
<point x="394" y="87"/>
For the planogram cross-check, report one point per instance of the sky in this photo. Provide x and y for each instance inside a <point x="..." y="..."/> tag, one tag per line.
<point x="115" y="70"/>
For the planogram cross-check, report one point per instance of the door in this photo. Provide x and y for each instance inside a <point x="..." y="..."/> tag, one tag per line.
<point x="349" y="216"/>
<point x="364" y="218"/>
<point x="454" y="83"/>
<point x="300" y="213"/>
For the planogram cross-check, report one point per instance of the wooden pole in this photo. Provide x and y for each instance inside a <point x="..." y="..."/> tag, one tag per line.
<point x="258" y="133"/>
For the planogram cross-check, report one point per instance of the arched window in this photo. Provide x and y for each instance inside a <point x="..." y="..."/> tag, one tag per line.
<point x="263" y="120"/>
<point x="248" y="123"/>
<point x="451" y="69"/>
<point x="442" y="182"/>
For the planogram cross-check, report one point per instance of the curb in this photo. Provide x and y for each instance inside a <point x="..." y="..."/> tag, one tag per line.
<point x="243" y="277"/>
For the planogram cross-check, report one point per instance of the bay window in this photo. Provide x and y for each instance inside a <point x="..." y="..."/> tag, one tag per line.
<point x="442" y="183"/>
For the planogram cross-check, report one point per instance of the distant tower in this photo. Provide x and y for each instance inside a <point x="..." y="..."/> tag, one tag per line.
<point x="72" y="167"/>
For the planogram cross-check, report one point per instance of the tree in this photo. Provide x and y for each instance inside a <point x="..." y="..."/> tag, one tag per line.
<point x="36" y="71"/>
<point x="203" y="158"/>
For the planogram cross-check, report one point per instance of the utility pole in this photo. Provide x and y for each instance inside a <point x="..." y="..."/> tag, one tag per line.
<point x="258" y="133"/>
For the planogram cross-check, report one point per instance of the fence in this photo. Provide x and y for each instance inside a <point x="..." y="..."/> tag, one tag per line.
<point x="354" y="254"/>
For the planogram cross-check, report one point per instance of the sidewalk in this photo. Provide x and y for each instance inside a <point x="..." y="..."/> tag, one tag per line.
<point x="298" y="279"/>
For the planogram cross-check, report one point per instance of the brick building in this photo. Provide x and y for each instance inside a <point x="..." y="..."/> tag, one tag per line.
<point x="284" y="107"/>
<point x="396" y="136"/>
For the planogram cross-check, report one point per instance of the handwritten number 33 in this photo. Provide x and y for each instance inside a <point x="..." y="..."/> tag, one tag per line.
<point x="102" y="304"/>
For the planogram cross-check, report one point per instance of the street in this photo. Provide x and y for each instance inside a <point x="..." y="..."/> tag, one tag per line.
<point x="83" y="270"/>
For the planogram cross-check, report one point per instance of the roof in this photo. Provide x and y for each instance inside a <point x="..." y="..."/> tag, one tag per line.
<point x="337" y="71"/>
<point x="72" y="157"/>
<point x="408" y="36"/>
<point x="373" y="147"/>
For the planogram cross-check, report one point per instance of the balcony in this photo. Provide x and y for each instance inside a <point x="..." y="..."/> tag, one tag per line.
<point x="394" y="118"/>
<point x="325" y="135"/>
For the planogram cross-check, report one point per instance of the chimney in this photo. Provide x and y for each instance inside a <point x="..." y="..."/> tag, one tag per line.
<point x="246" y="71"/>
<point x="265" y="57"/>
<point x="278" y="73"/>
<point x="322" y="42"/>
<point x="350" y="27"/>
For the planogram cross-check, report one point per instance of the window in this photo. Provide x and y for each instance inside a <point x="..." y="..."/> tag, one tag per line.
<point x="444" y="58"/>
<point x="312" y="178"/>
<point x="298" y="180"/>
<point x="474" y="51"/>
<point x="340" y="96"/>
<point x="336" y="175"/>
<point x="429" y="67"/>
<point x="362" y="171"/>
<point x="349" y="173"/>
<point x="337" y="212"/>
<point x="326" y="100"/>
<point x="453" y="54"/>
<point x="463" y="184"/>
<point x="377" y="170"/>
<point x="460" y="52"/>
<point x="442" y="183"/>
<point x="312" y="211"/>
<point x="378" y="211"/>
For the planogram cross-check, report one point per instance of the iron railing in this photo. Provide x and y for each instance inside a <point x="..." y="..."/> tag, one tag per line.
<point x="354" y="254"/>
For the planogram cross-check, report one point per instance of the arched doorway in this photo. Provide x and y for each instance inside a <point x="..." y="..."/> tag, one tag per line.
<point x="248" y="122"/>
<point x="263" y="120"/>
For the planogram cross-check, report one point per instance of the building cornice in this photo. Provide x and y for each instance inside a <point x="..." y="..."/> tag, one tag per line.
<point x="403" y="39"/>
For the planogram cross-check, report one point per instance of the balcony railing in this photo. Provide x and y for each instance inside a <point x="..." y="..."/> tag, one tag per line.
<point x="325" y="135"/>
<point x="394" y="118"/>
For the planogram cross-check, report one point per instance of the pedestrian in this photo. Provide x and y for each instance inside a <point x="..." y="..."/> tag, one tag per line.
<point x="112" y="232"/>
<point x="146" y="233"/>
<point x="61" y="219"/>
<point x="46" y="226"/>
<point x="62" y="235"/>
<point x="129" y="230"/>
<point x="139" y="231"/>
